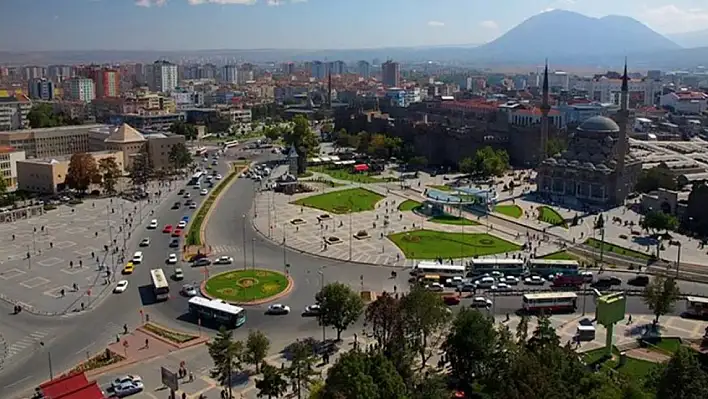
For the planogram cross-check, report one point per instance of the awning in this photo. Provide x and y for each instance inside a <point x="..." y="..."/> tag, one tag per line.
<point x="361" y="167"/>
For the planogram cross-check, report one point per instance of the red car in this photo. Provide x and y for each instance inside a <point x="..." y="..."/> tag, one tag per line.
<point x="167" y="229"/>
<point x="451" y="300"/>
<point x="176" y="233"/>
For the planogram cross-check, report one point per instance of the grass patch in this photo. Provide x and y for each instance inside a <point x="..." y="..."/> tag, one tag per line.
<point x="513" y="211"/>
<point x="633" y="368"/>
<point x="551" y="216"/>
<point x="560" y="255"/>
<point x="305" y="175"/>
<point x="454" y="220"/>
<point x="667" y="346"/>
<point x="172" y="336"/>
<point x="246" y="285"/>
<point x="343" y="201"/>
<point x="440" y="187"/>
<point x="103" y="359"/>
<point x="429" y="244"/>
<point x="408" y="205"/>
<point x="616" y="249"/>
<point x="348" y="175"/>
<point x="193" y="237"/>
<point x="327" y="182"/>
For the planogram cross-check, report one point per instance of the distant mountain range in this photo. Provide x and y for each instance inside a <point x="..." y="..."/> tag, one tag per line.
<point x="690" y="39"/>
<point x="564" y="37"/>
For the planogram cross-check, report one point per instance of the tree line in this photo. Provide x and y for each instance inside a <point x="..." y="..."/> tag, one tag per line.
<point x="43" y="116"/>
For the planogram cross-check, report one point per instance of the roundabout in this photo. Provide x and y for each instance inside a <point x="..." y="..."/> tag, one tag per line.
<point x="247" y="287"/>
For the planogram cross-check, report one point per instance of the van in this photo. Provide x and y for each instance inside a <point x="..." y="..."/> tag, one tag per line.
<point x="138" y="257"/>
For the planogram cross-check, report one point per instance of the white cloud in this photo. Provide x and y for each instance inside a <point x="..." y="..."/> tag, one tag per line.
<point x="436" y="23"/>
<point x="489" y="25"/>
<point x="673" y="19"/>
<point x="150" y="3"/>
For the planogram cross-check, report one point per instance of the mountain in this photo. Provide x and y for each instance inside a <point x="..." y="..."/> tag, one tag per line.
<point x="560" y="34"/>
<point x="691" y="39"/>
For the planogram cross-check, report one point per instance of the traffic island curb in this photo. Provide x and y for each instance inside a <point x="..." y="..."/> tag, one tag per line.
<point x="281" y="294"/>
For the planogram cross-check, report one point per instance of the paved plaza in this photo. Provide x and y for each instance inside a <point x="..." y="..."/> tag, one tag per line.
<point x="54" y="263"/>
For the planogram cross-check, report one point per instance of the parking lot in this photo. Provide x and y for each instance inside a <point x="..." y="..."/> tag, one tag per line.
<point x="56" y="262"/>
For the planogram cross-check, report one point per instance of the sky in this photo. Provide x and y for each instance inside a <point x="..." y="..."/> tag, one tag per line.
<point x="38" y="25"/>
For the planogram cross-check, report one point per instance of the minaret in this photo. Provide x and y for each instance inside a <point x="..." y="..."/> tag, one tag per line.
<point x="329" y="90"/>
<point x="545" y="109"/>
<point x="623" y="118"/>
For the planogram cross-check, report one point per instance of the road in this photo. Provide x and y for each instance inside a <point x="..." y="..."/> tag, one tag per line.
<point x="229" y="229"/>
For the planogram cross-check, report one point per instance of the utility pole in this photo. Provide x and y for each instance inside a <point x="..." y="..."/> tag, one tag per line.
<point x="243" y="233"/>
<point x="285" y="256"/>
<point x="253" y="253"/>
<point x="321" y="272"/>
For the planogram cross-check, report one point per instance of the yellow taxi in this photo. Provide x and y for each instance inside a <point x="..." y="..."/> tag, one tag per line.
<point x="129" y="267"/>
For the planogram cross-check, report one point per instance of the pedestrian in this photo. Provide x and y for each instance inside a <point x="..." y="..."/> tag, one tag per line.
<point x="13" y="237"/>
<point x="51" y="245"/>
<point x="62" y="292"/>
<point x="76" y="287"/>
<point x="81" y="263"/>
<point x="147" y="343"/>
<point x="191" y="377"/>
<point x="71" y="264"/>
<point x="125" y="328"/>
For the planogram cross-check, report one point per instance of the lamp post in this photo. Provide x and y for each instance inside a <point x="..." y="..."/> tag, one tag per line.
<point x="253" y="253"/>
<point x="678" y="258"/>
<point x="243" y="234"/>
<point x="285" y="256"/>
<point x="321" y="273"/>
<point x="49" y="359"/>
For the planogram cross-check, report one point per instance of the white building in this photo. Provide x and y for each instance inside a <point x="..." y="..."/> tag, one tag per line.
<point x="13" y="113"/>
<point x="165" y="78"/>
<point x="606" y="90"/>
<point x="686" y="102"/>
<point x="182" y="97"/>
<point x="229" y="74"/>
<point x="559" y="79"/>
<point x="413" y="95"/>
<point x="8" y="166"/>
<point x="245" y="75"/>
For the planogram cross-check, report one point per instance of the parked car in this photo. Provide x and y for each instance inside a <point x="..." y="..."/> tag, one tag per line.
<point x="639" y="280"/>
<point x="182" y="224"/>
<point x="511" y="280"/>
<point x="534" y="280"/>
<point x="501" y="287"/>
<point x="124" y="379"/>
<point x="435" y="287"/>
<point x="167" y="228"/>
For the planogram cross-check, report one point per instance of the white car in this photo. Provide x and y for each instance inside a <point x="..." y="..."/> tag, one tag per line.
<point x="218" y="177"/>
<point x="128" y="388"/>
<point x="204" y="192"/>
<point x="192" y="205"/>
<point x="481" y="302"/>
<point x="121" y="287"/>
<point x="145" y="242"/>
<point x="123" y="380"/>
<point x="182" y="224"/>
<point x="224" y="260"/>
<point x="534" y="280"/>
<point x="153" y="224"/>
<point x="435" y="287"/>
<point x="501" y="287"/>
<point x="312" y="310"/>
<point x="485" y="282"/>
<point x="511" y="280"/>
<point x="189" y="290"/>
<point x="172" y="259"/>
<point x="587" y="276"/>
<point x="278" y="309"/>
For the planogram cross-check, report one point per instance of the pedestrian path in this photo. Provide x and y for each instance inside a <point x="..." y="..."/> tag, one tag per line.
<point x="32" y="340"/>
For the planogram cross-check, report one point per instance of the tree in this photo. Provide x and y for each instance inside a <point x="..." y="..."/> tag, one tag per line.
<point x="301" y="371"/>
<point x="657" y="220"/>
<point x="660" y="295"/>
<point x="522" y="329"/>
<point x="488" y="162"/>
<point x="273" y="383"/>
<point x="42" y="115"/>
<point x="431" y="386"/>
<point x="226" y="355"/>
<point x="340" y="306"/>
<point x="141" y="169"/>
<point x="179" y="156"/>
<point x="109" y="173"/>
<point x="682" y="378"/>
<point x="348" y="378"/>
<point x="384" y="317"/>
<point x="83" y="171"/>
<point x="599" y="222"/>
<point x="424" y="314"/>
<point x="273" y="133"/>
<point x="377" y="146"/>
<point x="467" y="166"/>
<point x="418" y="162"/>
<point x="544" y="334"/>
<point x="257" y="346"/>
<point x="555" y="146"/>
<point x="187" y="130"/>
<point x="696" y="215"/>
<point x="3" y="185"/>
<point x="303" y="139"/>
<point x="470" y="347"/>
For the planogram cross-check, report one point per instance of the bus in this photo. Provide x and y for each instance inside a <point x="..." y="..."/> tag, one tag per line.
<point x="545" y="267"/>
<point x="435" y="268"/>
<point x="512" y="267"/>
<point x="696" y="306"/>
<point x="196" y="178"/>
<point x="229" y="144"/>
<point x="201" y="151"/>
<point x="218" y="311"/>
<point x="574" y="281"/>
<point x="160" y="285"/>
<point x="550" y="302"/>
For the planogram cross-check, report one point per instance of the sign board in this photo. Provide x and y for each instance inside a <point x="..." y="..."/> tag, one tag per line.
<point x="169" y="379"/>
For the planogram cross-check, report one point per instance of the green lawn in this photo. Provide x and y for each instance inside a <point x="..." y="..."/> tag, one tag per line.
<point x="560" y="255"/>
<point x="246" y="285"/>
<point x="633" y="368"/>
<point x="455" y="220"/>
<point x="668" y="345"/>
<point x="348" y="175"/>
<point x="408" y="205"/>
<point x="343" y="201"/>
<point x="441" y="187"/>
<point x="612" y="248"/>
<point x="429" y="244"/>
<point x="513" y="211"/>
<point x="551" y="216"/>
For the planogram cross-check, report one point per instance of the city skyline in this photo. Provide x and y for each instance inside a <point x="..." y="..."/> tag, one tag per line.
<point x="230" y="24"/>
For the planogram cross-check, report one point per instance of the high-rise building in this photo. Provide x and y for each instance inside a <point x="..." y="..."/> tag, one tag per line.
<point x="164" y="76"/>
<point x="391" y="74"/>
<point x="41" y="89"/>
<point x="364" y="69"/>
<point x="288" y="68"/>
<point x="319" y="70"/>
<point x="229" y="74"/>
<point x="59" y="73"/>
<point x="33" y="72"/>
<point x="337" y="68"/>
<point x="81" y="89"/>
<point x="107" y="82"/>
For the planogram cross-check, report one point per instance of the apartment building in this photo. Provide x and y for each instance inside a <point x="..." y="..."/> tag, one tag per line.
<point x="49" y="142"/>
<point x="165" y="78"/>
<point x="8" y="166"/>
<point x="80" y="89"/>
<point x="41" y="89"/>
<point x="391" y="74"/>
<point x="13" y="112"/>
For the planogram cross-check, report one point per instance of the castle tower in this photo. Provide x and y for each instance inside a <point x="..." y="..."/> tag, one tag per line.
<point x="545" y="109"/>
<point x="622" y="120"/>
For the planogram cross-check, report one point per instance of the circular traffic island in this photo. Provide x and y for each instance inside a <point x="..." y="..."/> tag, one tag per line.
<point x="252" y="286"/>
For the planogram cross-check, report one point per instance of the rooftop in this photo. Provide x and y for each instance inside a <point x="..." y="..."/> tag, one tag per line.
<point x="63" y="158"/>
<point x="599" y="124"/>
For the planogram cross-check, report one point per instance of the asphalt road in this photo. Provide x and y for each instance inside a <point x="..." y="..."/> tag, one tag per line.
<point x="90" y="332"/>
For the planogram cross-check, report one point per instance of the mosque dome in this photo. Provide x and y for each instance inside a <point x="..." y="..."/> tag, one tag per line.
<point x="599" y="124"/>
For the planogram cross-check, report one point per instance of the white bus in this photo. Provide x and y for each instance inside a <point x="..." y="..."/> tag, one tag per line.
<point x="544" y="267"/>
<point x="196" y="178"/>
<point x="229" y="144"/>
<point x="160" y="285"/>
<point x="200" y="151"/>
<point x="218" y="311"/>
<point x="550" y="302"/>
<point x="513" y="267"/>
<point x="435" y="268"/>
<point x="696" y="306"/>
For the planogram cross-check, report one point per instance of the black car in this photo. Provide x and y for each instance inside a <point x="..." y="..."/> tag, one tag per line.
<point x="180" y="192"/>
<point x="639" y="281"/>
<point x="176" y="205"/>
<point x="174" y="243"/>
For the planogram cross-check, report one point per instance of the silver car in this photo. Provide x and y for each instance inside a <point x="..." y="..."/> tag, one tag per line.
<point x="189" y="290"/>
<point x="128" y="388"/>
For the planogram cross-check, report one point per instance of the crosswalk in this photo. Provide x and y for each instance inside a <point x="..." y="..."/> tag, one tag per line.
<point x="225" y="249"/>
<point x="31" y="340"/>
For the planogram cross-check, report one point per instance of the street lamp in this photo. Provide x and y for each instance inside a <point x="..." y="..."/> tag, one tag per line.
<point x="321" y="273"/>
<point x="253" y="253"/>
<point x="243" y="233"/>
<point x="49" y="358"/>
<point x="285" y="256"/>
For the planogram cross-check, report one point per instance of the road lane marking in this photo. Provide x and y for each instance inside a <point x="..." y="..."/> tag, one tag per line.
<point x="17" y="382"/>
<point x="85" y="348"/>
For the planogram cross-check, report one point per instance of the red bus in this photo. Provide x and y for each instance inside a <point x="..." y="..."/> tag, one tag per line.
<point x="574" y="281"/>
<point x="550" y="302"/>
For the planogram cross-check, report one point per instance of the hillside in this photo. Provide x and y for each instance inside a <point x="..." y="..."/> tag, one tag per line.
<point x="691" y="39"/>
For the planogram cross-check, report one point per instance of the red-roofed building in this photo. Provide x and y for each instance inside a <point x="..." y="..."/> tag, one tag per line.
<point x="688" y="102"/>
<point x="72" y="386"/>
